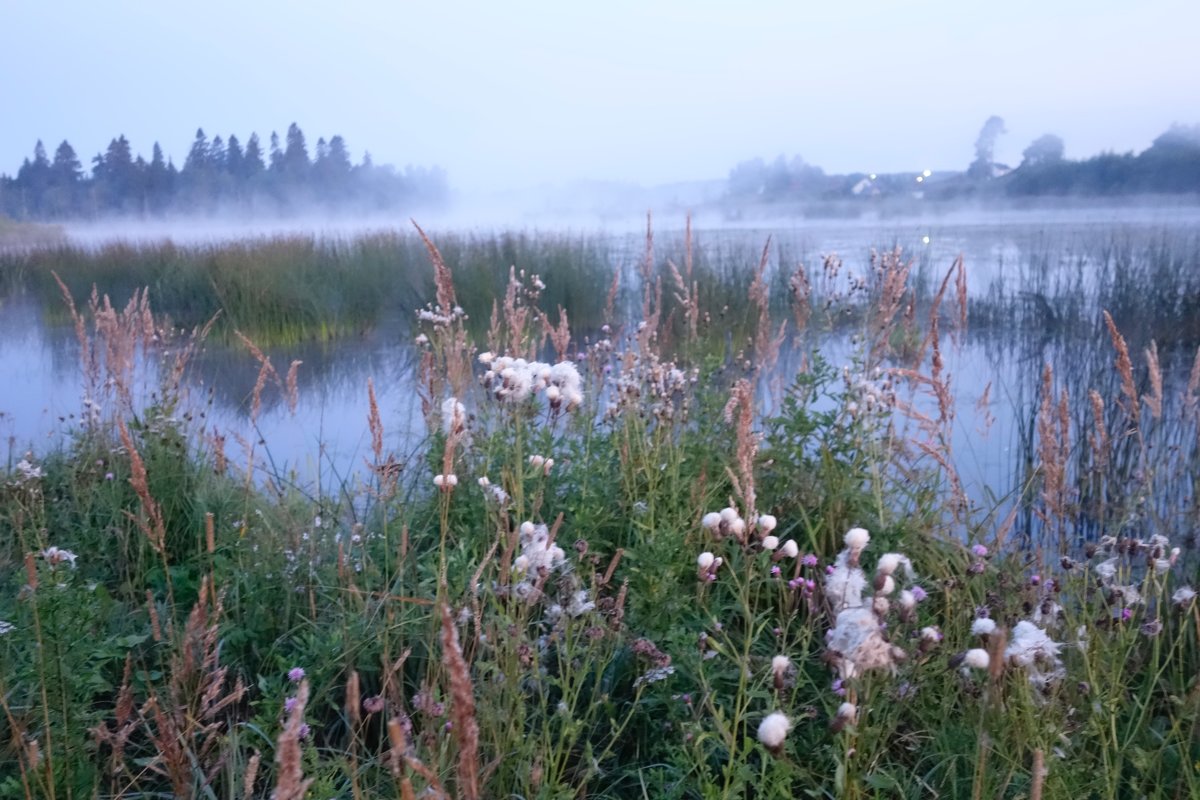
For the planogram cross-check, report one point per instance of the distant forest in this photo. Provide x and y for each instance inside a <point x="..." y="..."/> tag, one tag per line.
<point x="218" y="176"/>
<point x="1170" y="166"/>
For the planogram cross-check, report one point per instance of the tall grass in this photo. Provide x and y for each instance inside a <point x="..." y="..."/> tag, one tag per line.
<point x="613" y="577"/>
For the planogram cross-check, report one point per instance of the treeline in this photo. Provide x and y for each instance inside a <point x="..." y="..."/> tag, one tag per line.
<point x="218" y="175"/>
<point x="1171" y="165"/>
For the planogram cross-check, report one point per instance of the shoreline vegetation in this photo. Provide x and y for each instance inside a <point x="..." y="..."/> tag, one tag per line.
<point x="605" y="572"/>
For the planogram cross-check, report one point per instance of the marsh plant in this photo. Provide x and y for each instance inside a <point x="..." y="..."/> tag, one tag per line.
<point x="621" y="564"/>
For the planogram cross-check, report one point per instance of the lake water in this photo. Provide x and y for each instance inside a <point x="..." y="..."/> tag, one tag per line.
<point x="327" y="437"/>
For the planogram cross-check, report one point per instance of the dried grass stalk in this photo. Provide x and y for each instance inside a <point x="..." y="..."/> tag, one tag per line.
<point x="290" y="783"/>
<point x="462" y="709"/>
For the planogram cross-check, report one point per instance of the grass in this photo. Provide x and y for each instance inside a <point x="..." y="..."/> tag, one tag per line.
<point x="565" y="630"/>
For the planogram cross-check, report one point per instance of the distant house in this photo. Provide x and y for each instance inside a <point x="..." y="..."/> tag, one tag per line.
<point x="866" y="186"/>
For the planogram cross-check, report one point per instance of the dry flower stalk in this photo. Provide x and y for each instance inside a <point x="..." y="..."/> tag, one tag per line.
<point x="462" y="709"/>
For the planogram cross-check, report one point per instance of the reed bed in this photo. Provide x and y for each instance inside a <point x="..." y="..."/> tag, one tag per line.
<point x="621" y="564"/>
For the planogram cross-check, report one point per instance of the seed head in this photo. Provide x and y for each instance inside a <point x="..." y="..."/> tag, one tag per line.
<point x="773" y="730"/>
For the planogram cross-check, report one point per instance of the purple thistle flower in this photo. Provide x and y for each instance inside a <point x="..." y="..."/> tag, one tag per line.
<point x="919" y="594"/>
<point x="795" y="583"/>
<point x="809" y="560"/>
<point x="296" y="674"/>
<point x="979" y="550"/>
<point x="839" y="688"/>
<point x="1034" y="580"/>
<point x="304" y="730"/>
<point x="289" y="704"/>
<point x="1126" y="614"/>
<point x="775" y="571"/>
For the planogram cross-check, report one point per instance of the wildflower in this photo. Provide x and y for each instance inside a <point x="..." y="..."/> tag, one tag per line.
<point x="886" y="586"/>
<point x="738" y="527"/>
<point x="1152" y="628"/>
<point x="908" y="601"/>
<point x="422" y="340"/>
<point x="1126" y="614"/>
<point x="919" y="594"/>
<point x="454" y="416"/>
<point x="809" y="560"/>
<point x="979" y="551"/>
<point x="445" y="482"/>
<point x="28" y="471"/>
<point x="108" y="476"/>
<point x="847" y="714"/>
<point x="289" y="704"/>
<point x="1107" y="570"/>
<point x="580" y="604"/>
<point x="931" y="634"/>
<point x="374" y="704"/>
<point x="711" y="520"/>
<point x="773" y="730"/>
<point x="838" y="687"/>
<point x="770" y="542"/>
<point x="976" y="658"/>
<point x="1036" y="652"/>
<point x="788" y="549"/>
<point x="304" y="730"/>
<point x="1034" y="580"/>
<point x="296" y="674"/>
<point x="767" y="523"/>
<point x="775" y="571"/>
<point x="857" y="539"/>
<point x="983" y="627"/>
<point x="857" y="645"/>
<point x="844" y="584"/>
<point x="1183" y="596"/>
<point x="55" y="556"/>
<point x="889" y="562"/>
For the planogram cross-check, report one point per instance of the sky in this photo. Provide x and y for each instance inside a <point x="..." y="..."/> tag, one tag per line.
<point x="521" y="94"/>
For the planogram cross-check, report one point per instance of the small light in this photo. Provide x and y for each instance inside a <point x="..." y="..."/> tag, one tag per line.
<point x="926" y="173"/>
<point x="920" y="179"/>
<point x="925" y="240"/>
<point x="872" y="176"/>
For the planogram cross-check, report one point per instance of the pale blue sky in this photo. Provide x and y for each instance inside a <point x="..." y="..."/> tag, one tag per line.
<point x="518" y="93"/>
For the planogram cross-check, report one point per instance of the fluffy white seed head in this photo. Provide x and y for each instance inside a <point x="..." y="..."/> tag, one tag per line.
<point x="705" y="560"/>
<point x="737" y="527"/>
<point x="977" y="658"/>
<point x="983" y="626"/>
<point x="452" y="479"/>
<point x="711" y="520"/>
<point x="888" y="586"/>
<point x="779" y="665"/>
<point x="770" y="542"/>
<point x="767" y="523"/>
<point x="907" y="600"/>
<point x="857" y="538"/>
<point x="439" y="481"/>
<point x="847" y="712"/>
<point x="790" y="549"/>
<point x="728" y="514"/>
<point x="773" y="730"/>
